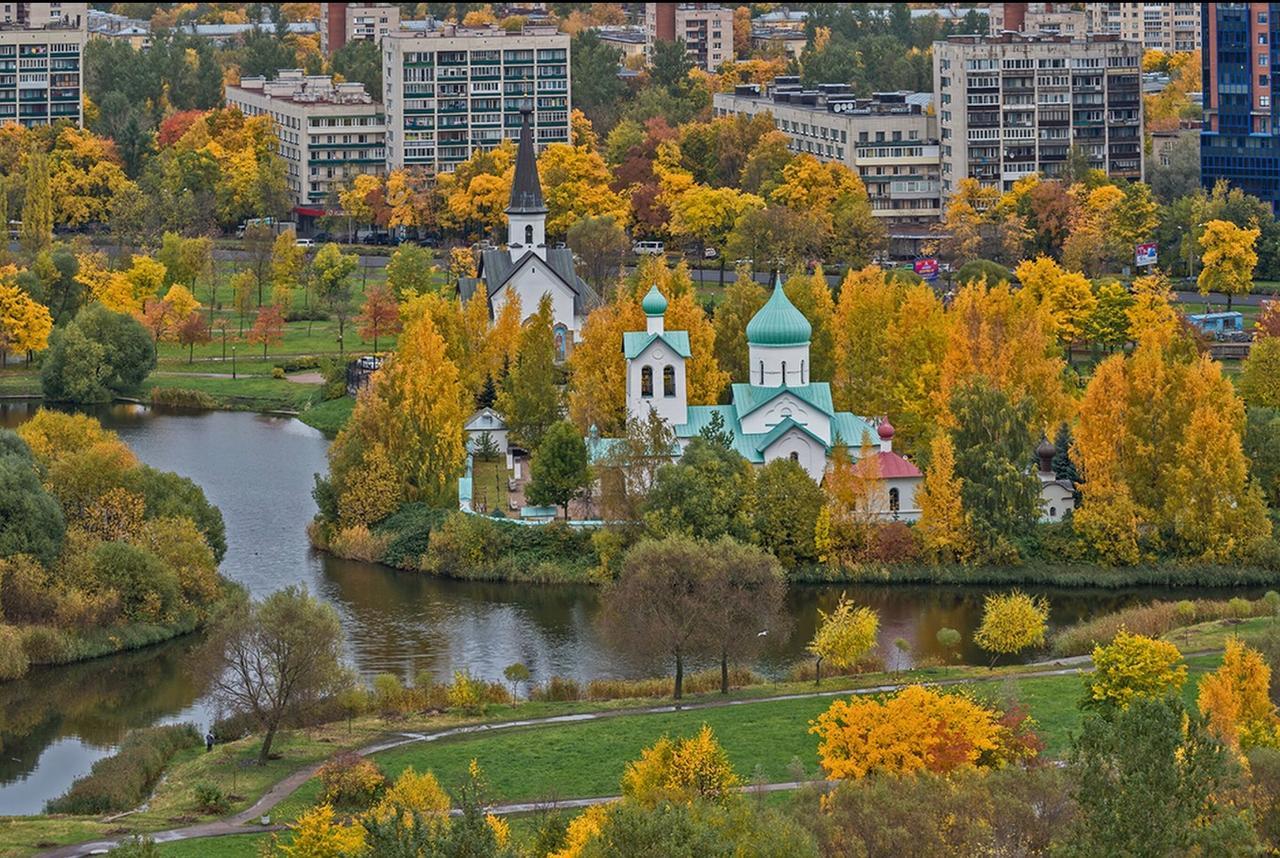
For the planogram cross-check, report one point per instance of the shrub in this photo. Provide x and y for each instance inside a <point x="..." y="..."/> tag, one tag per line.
<point x="277" y="372"/>
<point x="44" y="645"/>
<point x="389" y="695"/>
<point x="357" y="542"/>
<point x="181" y="397"/>
<point x="695" y="683"/>
<point x="148" y="588"/>
<point x="1240" y="607"/>
<point x="351" y="781"/>
<point x="13" y="656"/>
<point x="466" y="693"/>
<point x="211" y="799"/>
<point x="557" y="689"/>
<point x="121" y="781"/>
<point x="893" y="543"/>
<point x="137" y="846"/>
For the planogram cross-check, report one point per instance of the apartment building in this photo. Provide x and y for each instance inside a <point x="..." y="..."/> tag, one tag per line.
<point x="347" y="22"/>
<point x="890" y="140"/>
<point x="706" y="28"/>
<point x="1055" y="19"/>
<point x="1016" y="104"/>
<point x="1159" y="26"/>
<point x="1240" y="138"/>
<point x="453" y="90"/>
<point x="41" y="45"/>
<point x="328" y="132"/>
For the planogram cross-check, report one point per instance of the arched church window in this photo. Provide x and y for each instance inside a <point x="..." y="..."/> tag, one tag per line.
<point x="561" y="335"/>
<point x="784" y="373"/>
<point x="802" y="378"/>
<point x="528" y="234"/>
<point x="646" y="381"/>
<point x="668" y="380"/>
<point x="893" y="500"/>
<point x="762" y="372"/>
<point x="795" y="457"/>
<point x="1053" y="512"/>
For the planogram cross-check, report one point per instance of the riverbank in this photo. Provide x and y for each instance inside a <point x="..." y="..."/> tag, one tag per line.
<point x="579" y="750"/>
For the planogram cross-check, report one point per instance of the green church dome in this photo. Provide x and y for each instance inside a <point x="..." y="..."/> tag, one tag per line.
<point x="654" y="304"/>
<point x="778" y="322"/>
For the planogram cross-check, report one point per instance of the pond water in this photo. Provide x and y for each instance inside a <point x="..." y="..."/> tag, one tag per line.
<point x="259" y="470"/>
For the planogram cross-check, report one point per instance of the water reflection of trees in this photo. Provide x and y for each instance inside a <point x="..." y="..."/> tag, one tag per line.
<point x="97" y="701"/>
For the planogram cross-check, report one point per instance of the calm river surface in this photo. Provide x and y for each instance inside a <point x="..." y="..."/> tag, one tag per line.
<point x="258" y="470"/>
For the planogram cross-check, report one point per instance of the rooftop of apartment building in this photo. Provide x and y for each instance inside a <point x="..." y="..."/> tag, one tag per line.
<point x="630" y="35"/>
<point x="439" y="30"/>
<point x="294" y="86"/>
<point x="837" y="98"/>
<point x="1010" y="37"/>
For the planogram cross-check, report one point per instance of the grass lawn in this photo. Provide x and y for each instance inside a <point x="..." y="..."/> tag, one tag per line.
<point x="330" y="416"/>
<point x="232" y="846"/>
<point x="19" y="381"/>
<point x="247" y="392"/>
<point x="489" y="485"/>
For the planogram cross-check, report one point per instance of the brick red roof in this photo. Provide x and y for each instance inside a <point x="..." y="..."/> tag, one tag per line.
<point x="892" y="466"/>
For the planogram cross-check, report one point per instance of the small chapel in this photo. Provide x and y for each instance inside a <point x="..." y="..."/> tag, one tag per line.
<point x="526" y="267"/>
<point x="780" y="412"/>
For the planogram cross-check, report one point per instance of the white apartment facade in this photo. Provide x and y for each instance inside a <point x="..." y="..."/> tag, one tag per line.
<point x="1016" y="104"/>
<point x="1167" y="27"/>
<point x="41" y="53"/>
<point x="706" y="28"/>
<point x="328" y="132"/>
<point x="452" y="91"/>
<point x="890" y="140"/>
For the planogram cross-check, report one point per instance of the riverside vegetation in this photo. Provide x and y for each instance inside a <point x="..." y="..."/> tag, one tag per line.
<point x="98" y="552"/>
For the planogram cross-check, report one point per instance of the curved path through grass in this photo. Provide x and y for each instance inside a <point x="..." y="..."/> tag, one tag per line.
<point x="247" y="821"/>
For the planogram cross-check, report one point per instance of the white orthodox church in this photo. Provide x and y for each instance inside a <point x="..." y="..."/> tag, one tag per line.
<point x="527" y="267"/>
<point x="779" y="413"/>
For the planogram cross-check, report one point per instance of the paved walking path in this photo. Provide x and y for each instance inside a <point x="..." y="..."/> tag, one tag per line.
<point x="244" y="821"/>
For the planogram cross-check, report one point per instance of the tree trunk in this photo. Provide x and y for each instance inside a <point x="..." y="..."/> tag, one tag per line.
<point x="1228" y="302"/>
<point x="265" y="754"/>
<point x="679" y="693"/>
<point x="817" y="671"/>
<point x="722" y="270"/>
<point x="724" y="673"/>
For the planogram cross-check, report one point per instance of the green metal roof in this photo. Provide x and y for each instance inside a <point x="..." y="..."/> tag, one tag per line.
<point x="778" y="322"/>
<point x="635" y="342"/>
<point x="654" y="304"/>
<point x="749" y="397"/>
<point x="850" y="429"/>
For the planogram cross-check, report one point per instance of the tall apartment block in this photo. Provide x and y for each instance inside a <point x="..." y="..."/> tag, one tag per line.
<point x="1055" y="19"/>
<point x="346" y="22"/>
<point x="1015" y="104"/>
<point x="328" y="132"/>
<point x="451" y="91"/>
<point x="1240" y="138"/>
<point x="706" y="28"/>
<point x="890" y="140"/>
<point x="1159" y="26"/>
<point x="40" y="54"/>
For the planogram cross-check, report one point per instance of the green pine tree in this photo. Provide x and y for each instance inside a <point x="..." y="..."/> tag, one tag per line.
<point x="559" y="472"/>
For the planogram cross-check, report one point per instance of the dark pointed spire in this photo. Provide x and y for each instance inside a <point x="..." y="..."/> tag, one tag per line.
<point x="526" y="190"/>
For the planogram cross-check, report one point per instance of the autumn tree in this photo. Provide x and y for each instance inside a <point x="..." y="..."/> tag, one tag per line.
<point x="1260" y="373"/>
<point x="576" y="185"/>
<point x="332" y="270"/>
<point x="917" y="729"/>
<point x="811" y="295"/>
<point x="943" y="525"/>
<point x="559" y="471"/>
<point x="268" y="327"/>
<point x="747" y="588"/>
<point x="742" y="299"/>
<point x="707" y="494"/>
<point x="379" y="316"/>
<point x="601" y="242"/>
<point x="1234" y="699"/>
<point x="25" y="324"/>
<point x="1011" y="622"/>
<point x="851" y="233"/>
<point x="681" y="771"/>
<point x="411" y="271"/>
<point x="37" y="205"/>
<point x="193" y="331"/>
<point x="406" y="431"/>
<point x="843" y="637"/>
<point x="530" y="398"/>
<point x="287" y="259"/>
<point x="1133" y="667"/>
<point x="1229" y="259"/>
<point x="659" y="606"/>
<point x="278" y="656"/>
<point x="1066" y="295"/>
<point x="787" y="504"/>
<point x="259" y="244"/>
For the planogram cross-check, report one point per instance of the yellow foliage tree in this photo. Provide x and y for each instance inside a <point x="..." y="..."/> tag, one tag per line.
<point x="682" y="771"/>
<point x="1134" y="667"/>
<point x="812" y="297"/>
<point x="1012" y="622"/>
<point x="844" y="636"/>
<point x="1107" y="519"/>
<point x="317" y="834"/>
<point x="25" y="324"/>
<point x="943" y="525"/>
<point x="373" y="490"/>
<point x="576" y="183"/>
<point x="917" y="729"/>
<point x="1234" y="699"/>
<point x="1229" y="259"/>
<point x="597" y="387"/>
<point x="1066" y="295"/>
<point x="414" y="793"/>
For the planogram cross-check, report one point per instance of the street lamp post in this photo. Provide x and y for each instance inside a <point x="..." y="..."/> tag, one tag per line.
<point x="233" y="363"/>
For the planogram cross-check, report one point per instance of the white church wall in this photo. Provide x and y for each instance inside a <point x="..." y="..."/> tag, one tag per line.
<point x="673" y="409"/>
<point x="787" y="405"/>
<point x="773" y="359"/>
<point x="810" y="455"/>
<point x="531" y="282"/>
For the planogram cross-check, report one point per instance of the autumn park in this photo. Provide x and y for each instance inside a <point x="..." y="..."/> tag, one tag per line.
<point x="570" y="430"/>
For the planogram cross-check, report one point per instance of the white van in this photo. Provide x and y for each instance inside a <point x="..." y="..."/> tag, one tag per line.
<point x="647" y="248"/>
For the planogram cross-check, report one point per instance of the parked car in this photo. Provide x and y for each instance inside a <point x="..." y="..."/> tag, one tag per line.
<point x="370" y="362"/>
<point x="709" y="253"/>
<point x="306" y="242"/>
<point x="648" y="248"/>
<point x="428" y="242"/>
